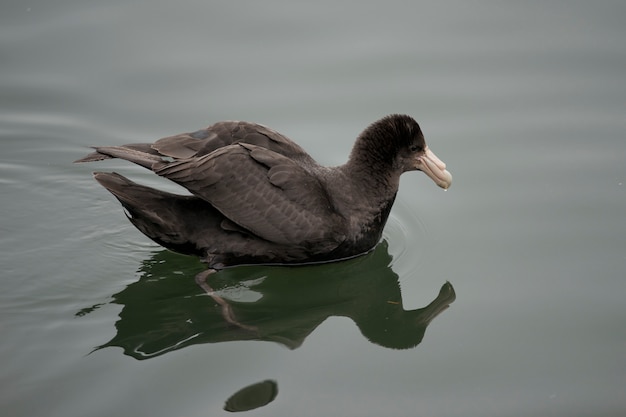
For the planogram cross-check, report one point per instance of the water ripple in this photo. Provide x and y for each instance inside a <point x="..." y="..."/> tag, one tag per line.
<point x="407" y="236"/>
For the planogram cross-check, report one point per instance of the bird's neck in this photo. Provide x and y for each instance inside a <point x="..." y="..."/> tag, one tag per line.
<point x="372" y="179"/>
<point x="368" y="192"/>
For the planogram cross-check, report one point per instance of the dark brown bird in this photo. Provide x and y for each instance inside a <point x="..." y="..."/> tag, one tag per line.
<point x="258" y="197"/>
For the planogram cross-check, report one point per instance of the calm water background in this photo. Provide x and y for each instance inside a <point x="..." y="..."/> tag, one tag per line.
<point x="525" y="102"/>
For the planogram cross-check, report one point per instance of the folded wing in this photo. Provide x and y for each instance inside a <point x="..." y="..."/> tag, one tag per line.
<point x="262" y="191"/>
<point x="203" y="142"/>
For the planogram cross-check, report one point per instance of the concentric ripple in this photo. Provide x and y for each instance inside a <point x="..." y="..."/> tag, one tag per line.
<point x="407" y="236"/>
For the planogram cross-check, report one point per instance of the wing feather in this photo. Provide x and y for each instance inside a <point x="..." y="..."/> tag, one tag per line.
<point x="221" y="134"/>
<point x="262" y="191"/>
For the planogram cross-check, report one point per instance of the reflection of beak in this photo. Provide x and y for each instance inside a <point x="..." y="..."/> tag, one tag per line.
<point x="444" y="299"/>
<point x="434" y="168"/>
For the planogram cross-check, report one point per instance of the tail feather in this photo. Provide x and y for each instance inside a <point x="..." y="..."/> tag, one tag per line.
<point x="176" y="222"/>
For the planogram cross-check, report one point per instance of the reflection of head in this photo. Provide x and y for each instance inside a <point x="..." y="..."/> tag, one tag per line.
<point x="393" y="327"/>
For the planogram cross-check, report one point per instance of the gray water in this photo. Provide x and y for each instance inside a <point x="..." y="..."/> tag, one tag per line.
<point x="525" y="102"/>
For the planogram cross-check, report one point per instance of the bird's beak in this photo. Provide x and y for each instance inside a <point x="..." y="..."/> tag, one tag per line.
<point x="434" y="168"/>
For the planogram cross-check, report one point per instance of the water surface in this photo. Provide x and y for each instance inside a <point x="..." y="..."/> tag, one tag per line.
<point x="525" y="102"/>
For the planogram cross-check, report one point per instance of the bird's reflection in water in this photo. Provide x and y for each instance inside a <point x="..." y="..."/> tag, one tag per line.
<point x="166" y="310"/>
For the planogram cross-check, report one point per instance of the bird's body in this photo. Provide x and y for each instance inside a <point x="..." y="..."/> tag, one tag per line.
<point x="258" y="197"/>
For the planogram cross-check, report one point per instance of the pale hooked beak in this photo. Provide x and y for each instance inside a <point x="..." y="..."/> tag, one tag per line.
<point x="434" y="168"/>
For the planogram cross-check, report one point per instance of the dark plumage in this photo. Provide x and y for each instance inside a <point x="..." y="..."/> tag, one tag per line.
<point x="258" y="197"/>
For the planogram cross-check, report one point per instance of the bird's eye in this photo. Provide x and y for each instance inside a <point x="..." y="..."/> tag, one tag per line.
<point x="415" y="148"/>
